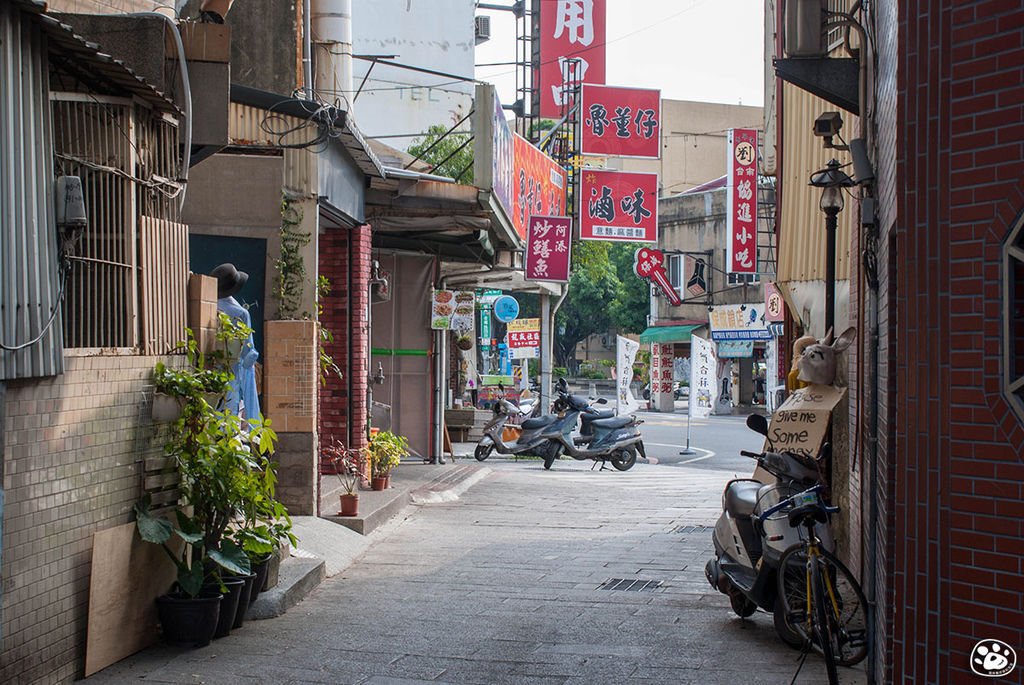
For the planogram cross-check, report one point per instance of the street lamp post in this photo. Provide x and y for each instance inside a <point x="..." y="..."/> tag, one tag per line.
<point x="832" y="180"/>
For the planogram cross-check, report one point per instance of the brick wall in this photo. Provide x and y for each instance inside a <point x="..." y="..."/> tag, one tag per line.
<point x="952" y="461"/>
<point x="71" y="467"/>
<point x="345" y="260"/>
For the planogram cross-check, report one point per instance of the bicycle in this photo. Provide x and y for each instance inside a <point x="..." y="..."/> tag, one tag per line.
<point x="822" y="601"/>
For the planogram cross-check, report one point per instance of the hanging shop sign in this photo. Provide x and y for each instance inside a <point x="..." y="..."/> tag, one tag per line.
<point x="741" y="196"/>
<point x="452" y="310"/>
<point x="506" y="308"/>
<point x="738" y="322"/>
<point x="493" y="148"/>
<point x="735" y="349"/>
<point x="649" y="264"/>
<point x="774" y="307"/>
<point x="524" y="333"/>
<point x="548" y="247"/>
<point x="620" y="122"/>
<point x="572" y="50"/>
<point x="538" y="185"/>
<point x="619" y="205"/>
<point x="695" y="275"/>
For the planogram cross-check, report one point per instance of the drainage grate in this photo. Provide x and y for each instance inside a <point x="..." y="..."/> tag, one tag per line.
<point x="630" y="585"/>
<point x="685" y="530"/>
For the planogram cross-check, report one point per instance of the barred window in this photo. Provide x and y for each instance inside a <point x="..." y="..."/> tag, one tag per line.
<point x="1013" y="318"/>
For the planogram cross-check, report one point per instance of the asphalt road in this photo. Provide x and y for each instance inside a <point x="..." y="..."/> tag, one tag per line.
<point x="715" y="441"/>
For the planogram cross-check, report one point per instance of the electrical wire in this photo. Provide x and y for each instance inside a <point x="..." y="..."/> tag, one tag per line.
<point x="49" y="323"/>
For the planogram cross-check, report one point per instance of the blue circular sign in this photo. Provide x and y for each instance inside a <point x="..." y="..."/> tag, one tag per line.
<point x="506" y="308"/>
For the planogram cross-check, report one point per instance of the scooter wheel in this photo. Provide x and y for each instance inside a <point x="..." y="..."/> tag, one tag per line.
<point x="741" y="605"/>
<point x="483" y="451"/>
<point x="550" y="456"/>
<point x="624" y="460"/>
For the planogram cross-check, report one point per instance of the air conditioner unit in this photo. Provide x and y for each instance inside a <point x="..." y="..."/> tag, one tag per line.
<point x="805" y="28"/>
<point x="482" y="30"/>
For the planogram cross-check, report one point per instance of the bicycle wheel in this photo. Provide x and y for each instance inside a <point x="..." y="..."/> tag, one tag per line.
<point x="822" y="624"/>
<point x="845" y="600"/>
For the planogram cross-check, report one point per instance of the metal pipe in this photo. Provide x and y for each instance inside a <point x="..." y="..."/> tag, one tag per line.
<point x="307" y="50"/>
<point x="831" y="225"/>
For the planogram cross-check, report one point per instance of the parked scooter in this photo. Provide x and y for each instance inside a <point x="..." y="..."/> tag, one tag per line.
<point x="747" y="549"/>
<point x="603" y="437"/>
<point x="530" y="440"/>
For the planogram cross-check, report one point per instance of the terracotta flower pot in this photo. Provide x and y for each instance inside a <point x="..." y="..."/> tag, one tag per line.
<point x="349" y="505"/>
<point x="380" y="482"/>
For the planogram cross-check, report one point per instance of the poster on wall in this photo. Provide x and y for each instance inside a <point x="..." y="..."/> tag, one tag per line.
<point x="620" y="122"/>
<point x="452" y="310"/>
<point x="538" y="185"/>
<point x="572" y="50"/>
<point x="619" y="206"/>
<point x="741" y="202"/>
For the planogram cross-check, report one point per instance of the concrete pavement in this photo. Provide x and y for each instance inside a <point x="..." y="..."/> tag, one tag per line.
<point x="516" y="581"/>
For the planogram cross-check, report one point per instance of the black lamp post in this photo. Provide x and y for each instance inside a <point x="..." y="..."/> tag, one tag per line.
<point x="832" y="180"/>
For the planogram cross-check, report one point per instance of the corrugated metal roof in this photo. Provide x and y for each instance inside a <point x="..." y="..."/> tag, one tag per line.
<point x="88" y="58"/>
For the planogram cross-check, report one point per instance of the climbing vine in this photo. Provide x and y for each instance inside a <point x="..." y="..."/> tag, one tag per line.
<point x="291" y="269"/>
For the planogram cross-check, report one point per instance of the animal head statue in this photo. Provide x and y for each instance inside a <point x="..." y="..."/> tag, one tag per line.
<point x="817" y="362"/>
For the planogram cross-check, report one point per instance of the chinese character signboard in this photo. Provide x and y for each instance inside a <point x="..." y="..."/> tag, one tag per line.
<point x="524" y="333"/>
<point x="538" y="185"/>
<point x="452" y="310"/>
<point x="619" y="205"/>
<point x="703" y="378"/>
<point x="620" y="122"/>
<point x="493" y="148"/>
<point x="738" y="322"/>
<point x="625" y="355"/>
<point x="548" y="244"/>
<point x="774" y="308"/>
<point x="569" y="29"/>
<point x="649" y="264"/>
<point x="741" y="211"/>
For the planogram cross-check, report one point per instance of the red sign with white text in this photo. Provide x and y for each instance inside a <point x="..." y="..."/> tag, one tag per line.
<point x="741" y="194"/>
<point x="649" y="264"/>
<point x="620" y="122"/>
<point x="538" y="184"/>
<point x="548" y="246"/>
<point x="618" y="205"/>
<point x="573" y="29"/>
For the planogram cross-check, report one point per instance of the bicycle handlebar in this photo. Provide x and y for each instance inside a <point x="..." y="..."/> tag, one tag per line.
<point x="752" y="455"/>
<point x="789" y="502"/>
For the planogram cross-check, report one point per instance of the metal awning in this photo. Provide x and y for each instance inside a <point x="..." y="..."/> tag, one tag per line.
<point x="664" y="334"/>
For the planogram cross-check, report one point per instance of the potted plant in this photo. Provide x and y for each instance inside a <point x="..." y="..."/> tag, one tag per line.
<point x="226" y="477"/>
<point x="348" y="466"/>
<point x="384" y="452"/>
<point x="464" y="341"/>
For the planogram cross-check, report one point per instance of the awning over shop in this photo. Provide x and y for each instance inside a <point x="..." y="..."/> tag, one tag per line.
<point x="664" y="334"/>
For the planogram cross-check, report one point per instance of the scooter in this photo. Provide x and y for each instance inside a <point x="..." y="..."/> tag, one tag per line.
<point x="530" y="440"/>
<point x="603" y="437"/>
<point x="749" y="546"/>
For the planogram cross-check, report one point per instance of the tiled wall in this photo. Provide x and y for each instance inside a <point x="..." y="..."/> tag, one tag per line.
<point x="71" y="467"/>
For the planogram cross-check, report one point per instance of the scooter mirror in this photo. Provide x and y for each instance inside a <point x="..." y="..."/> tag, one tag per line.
<point x="758" y="424"/>
<point x="601" y="400"/>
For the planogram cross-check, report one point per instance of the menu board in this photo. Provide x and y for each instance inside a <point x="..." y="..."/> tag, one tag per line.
<point x="452" y="310"/>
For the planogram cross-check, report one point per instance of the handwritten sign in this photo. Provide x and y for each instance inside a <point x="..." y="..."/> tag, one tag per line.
<point x="801" y="422"/>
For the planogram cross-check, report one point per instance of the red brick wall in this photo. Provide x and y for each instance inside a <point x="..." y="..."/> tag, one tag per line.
<point x="345" y="260"/>
<point x="952" y="464"/>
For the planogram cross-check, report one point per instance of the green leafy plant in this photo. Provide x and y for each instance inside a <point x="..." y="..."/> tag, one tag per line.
<point x="327" y="363"/>
<point x="348" y="464"/>
<point x="385" y="451"/>
<point x="290" y="266"/>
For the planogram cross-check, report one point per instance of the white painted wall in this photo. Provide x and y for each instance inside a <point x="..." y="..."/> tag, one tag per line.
<point x="433" y="34"/>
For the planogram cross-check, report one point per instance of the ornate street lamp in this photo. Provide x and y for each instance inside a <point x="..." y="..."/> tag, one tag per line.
<point x="832" y="180"/>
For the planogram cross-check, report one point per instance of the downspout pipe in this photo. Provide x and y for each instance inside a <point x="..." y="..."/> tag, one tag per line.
<point x="307" y="51"/>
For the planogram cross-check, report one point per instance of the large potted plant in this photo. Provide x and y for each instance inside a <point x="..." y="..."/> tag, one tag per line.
<point x="225" y="476"/>
<point x="384" y="452"/>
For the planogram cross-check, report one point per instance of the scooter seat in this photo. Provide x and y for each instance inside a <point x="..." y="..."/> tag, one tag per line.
<point x="597" y="415"/>
<point x="741" y="497"/>
<point x="538" y="422"/>
<point x="614" y="422"/>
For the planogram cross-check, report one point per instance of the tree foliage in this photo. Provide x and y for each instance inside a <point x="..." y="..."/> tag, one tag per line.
<point x="450" y="155"/>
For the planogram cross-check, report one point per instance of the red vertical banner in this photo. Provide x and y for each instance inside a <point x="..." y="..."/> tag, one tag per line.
<point x="619" y="205"/>
<point x="569" y="29"/>
<point x="538" y="184"/>
<point x="620" y="122"/>
<point x="548" y="247"/>
<point x="741" y="194"/>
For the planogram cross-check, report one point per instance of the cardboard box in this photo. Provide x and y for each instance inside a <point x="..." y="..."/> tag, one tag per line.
<point x="801" y="423"/>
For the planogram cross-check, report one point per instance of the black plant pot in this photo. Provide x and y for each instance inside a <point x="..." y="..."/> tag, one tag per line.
<point x="260" y="568"/>
<point x="243" y="599"/>
<point x="189" y="621"/>
<point x="230" y="606"/>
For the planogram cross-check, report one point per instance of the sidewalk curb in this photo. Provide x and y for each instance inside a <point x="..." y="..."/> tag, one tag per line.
<point x="430" y="495"/>
<point x="298" y="577"/>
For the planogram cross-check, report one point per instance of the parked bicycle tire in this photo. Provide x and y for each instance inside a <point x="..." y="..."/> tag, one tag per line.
<point x="850" y="627"/>
<point x="825" y="632"/>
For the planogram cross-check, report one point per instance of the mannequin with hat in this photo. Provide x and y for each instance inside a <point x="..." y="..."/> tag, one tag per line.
<point x="242" y="398"/>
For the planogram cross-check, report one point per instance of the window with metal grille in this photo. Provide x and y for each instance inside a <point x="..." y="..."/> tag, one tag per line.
<point x="836" y="34"/>
<point x="126" y="284"/>
<point x="1013" y="318"/>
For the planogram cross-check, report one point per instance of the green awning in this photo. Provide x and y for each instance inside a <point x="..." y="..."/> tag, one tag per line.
<point x="664" y="334"/>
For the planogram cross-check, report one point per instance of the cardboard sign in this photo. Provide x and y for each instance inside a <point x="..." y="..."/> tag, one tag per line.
<point x="801" y="422"/>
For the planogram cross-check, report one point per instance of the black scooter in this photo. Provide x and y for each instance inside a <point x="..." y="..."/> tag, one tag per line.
<point x="603" y="437"/>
